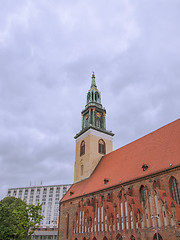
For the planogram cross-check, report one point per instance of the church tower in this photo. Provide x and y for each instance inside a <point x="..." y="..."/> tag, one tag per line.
<point x="93" y="141"/>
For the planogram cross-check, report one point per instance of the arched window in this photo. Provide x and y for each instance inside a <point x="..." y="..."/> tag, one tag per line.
<point x="96" y="96"/>
<point x="67" y="225"/>
<point x="92" y="96"/>
<point x="102" y="146"/>
<point x="82" y="148"/>
<point x="142" y="193"/>
<point x="94" y="238"/>
<point x="157" y="236"/>
<point x="88" y="97"/>
<point x="119" y="237"/>
<point x="174" y="188"/>
<point x="82" y="169"/>
<point x="132" y="237"/>
<point x="98" y="123"/>
<point x="105" y="238"/>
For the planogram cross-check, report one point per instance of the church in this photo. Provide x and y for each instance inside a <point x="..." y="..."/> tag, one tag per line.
<point x="130" y="193"/>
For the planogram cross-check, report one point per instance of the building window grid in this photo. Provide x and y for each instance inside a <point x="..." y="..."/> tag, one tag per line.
<point x="25" y="195"/>
<point x="9" y="193"/>
<point x="14" y="193"/>
<point x="20" y="194"/>
<point x="49" y="211"/>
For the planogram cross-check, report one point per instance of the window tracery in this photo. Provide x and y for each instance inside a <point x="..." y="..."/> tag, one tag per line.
<point x="174" y="188"/>
<point x="143" y="194"/>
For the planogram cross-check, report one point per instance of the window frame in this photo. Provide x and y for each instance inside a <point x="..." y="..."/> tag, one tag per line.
<point x="101" y="146"/>
<point x="174" y="189"/>
<point x="82" y="148"/>
<point x="142" y="192"/>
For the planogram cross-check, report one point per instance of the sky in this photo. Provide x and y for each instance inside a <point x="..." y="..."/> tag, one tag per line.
<point x="48" y="51"/>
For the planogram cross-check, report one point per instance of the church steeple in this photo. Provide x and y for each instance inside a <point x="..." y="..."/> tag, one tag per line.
<point x="93" y="83"/>
<point x="93" y="141"/>
<point x="94" y="114"/>
<point x="93" y="95"/>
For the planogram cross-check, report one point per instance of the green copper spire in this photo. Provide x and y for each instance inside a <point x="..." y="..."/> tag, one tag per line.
<point x="94" y="96"/>
<point x="94" y="114"/>
<point x="93" y="83"/>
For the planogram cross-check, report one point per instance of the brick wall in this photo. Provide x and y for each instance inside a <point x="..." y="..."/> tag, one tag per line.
<point x="120" y="212"/>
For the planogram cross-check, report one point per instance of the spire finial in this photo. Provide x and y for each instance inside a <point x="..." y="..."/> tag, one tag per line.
<point x="93" y="83"/>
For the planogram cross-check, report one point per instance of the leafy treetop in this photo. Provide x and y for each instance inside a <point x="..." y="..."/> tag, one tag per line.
<point x="18" y="219"/>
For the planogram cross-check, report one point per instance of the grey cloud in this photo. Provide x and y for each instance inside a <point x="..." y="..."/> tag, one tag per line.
<point x="48" y="50"/>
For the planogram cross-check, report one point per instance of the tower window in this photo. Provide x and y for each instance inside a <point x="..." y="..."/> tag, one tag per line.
<point x="102" y="146"/>
<point x="92" y="96"/>
<point x="82" y="169"/>
<point x="143" y="194"/>
<point x="88" y="97"/>
<point x="96" y="97"/>
<point x="98" y="124"/>
<point x="174" y="188"/>
<point x="82" y="148"/>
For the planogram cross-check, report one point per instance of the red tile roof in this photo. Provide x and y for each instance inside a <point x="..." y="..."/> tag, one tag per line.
<point x="159" y="150"/>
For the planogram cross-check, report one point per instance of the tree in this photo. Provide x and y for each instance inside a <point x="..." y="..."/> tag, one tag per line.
<point x="18" y="220"/>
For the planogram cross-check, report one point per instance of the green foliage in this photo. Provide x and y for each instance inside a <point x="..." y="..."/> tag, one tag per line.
<point x="18" y="220"/>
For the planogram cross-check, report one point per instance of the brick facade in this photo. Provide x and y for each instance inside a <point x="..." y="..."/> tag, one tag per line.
<point x="120" y="213"/>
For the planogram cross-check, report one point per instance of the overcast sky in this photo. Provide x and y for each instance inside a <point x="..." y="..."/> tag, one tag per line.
<point x="48" y="50"/>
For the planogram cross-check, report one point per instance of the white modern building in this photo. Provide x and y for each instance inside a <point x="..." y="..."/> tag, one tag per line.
<point x="49" y="197"/>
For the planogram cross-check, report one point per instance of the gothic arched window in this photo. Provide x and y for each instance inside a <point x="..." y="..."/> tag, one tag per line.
<point x="82" y="148"/>
<point x="132" y="237"/>
<point x="142" y="193"/>
<point x="174" y="188"/>
<point x="102" y="146"/>
<point x="119" y="237"/>
<point x="157" y="237"/>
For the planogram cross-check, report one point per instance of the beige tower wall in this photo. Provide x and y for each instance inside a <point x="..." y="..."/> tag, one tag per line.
<point x="91" y="157"/>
